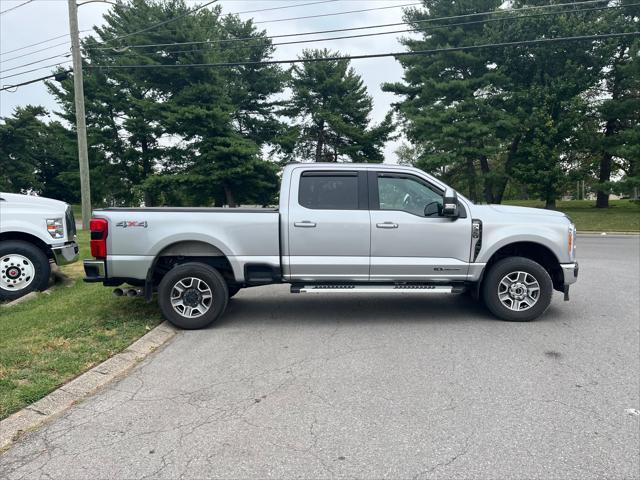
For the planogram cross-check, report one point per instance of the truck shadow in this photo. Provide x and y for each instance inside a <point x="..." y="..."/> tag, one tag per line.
<point x="248" y="308"/>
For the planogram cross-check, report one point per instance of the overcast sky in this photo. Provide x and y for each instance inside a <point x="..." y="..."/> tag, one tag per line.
<point x="44" y="19"/>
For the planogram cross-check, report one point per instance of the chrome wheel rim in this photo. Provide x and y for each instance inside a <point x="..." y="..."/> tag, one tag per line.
<point x="191" y="297"/>
<point x="518" y="291"/>
<point x="16" y="272"/>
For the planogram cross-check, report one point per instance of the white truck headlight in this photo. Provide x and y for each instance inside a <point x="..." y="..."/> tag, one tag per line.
<point x="55" y="227"/>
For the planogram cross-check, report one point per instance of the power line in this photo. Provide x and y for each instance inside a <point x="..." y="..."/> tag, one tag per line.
<point x="338" y="13"/>
<point x="317" y="32"/>
<point x="376" y="55"/>
<point x="35" y="51"/>
<point x="436" y="27"/>
<point x="15" y="7"/>
<point x="283" y="7"/>
<point x="139" y="31"/>
<point x="420" y="3"/>
<point x="29" y="82"/>
<point x="164" y="22"/>
<point x="35" y="69"/>
<point x="88" y="30"/>
<point x="116" y="38"/>
<point x="486" y="20"/>
<point x="38" y="43"/>
<point x="346" y="57"/>
<point x="68" y="54"/>
<point x="287" y="35"/>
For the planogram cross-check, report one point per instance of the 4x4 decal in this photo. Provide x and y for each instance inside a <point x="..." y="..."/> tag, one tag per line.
<point x="132" y="223"/>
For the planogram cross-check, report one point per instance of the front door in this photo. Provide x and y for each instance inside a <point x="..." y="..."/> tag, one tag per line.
<point x="328" y="226"/>
<point x="410" y="240"/>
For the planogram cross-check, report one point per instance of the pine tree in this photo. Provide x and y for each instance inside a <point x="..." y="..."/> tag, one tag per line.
<point x="180" y="135"/>
<point x="446" y="104"/>
<point x="331" y="110"/>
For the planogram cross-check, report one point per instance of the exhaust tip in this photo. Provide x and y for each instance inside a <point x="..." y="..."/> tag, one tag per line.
<point x="132" y="292"/>
<point x="118" y="292"/>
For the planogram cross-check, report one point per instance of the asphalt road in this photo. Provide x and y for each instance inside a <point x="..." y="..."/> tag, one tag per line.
<point x="374" y="387"/>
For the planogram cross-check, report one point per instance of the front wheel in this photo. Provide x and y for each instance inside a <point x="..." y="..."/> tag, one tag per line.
<point x="192" y="295"/>
<point x="23" y="269"/>
<point x="517" y="289"/>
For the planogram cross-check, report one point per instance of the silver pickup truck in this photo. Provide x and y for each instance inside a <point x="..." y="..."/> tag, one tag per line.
<point x="340" y="228"/>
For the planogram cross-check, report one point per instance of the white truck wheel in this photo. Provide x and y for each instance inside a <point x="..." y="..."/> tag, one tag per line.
<point x="23" y="269"/>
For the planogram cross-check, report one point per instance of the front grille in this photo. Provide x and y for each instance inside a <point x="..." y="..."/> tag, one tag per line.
<point x="71" y="223"/>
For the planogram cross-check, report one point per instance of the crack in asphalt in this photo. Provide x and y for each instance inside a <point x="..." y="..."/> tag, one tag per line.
<point x="438" y="466"/>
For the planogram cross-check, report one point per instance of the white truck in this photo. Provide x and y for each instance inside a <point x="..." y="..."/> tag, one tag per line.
<point x="34" y="231"/>
<point x="340" y="228"/>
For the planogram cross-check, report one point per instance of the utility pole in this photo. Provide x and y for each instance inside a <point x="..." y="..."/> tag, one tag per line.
<point x="81" y="125"/>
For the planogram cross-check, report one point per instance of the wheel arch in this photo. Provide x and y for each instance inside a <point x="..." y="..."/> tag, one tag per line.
<point x="29" y="238"/>
<point x="185" y="251"/>
<point x="535" y="251"/>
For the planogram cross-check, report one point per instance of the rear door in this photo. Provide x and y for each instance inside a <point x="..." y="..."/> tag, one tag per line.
<point x="409" y="239"/>
<point x="328" y="226"/>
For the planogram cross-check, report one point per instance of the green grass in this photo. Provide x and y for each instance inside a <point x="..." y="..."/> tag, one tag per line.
<point x="50" y="340"/>
<point x="621" y="216"/>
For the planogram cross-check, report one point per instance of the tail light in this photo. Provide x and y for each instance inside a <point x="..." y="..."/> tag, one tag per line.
<point x="99" y="229"/>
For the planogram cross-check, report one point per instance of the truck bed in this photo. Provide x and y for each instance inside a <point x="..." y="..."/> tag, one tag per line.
<point x="137" y="235"/>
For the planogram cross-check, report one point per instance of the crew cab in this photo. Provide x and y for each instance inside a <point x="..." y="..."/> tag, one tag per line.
<point x="34" y="231"/>
<point x="340" y="228"/>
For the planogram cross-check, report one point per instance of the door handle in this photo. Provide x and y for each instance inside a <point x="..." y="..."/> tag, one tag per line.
<point x="387" y="225"/>
<point x="305" y="224"/>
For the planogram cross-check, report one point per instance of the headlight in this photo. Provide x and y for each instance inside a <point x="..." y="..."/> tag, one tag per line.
<point x="55" y="227"/>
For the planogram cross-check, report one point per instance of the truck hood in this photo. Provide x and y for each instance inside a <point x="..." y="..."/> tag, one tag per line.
<point x="511" y="210"/>
<point x="10" y="200"/>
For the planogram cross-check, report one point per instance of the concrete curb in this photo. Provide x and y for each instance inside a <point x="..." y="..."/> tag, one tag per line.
<point x="47" y="408"/>
<point x="57" y="279"/>
<point x="18" y="301"/>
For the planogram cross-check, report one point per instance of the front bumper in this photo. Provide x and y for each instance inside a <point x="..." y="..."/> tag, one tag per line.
<point x="570" y="272"/>
<point x="95" y="271"/>
<point x="67" y="253"/>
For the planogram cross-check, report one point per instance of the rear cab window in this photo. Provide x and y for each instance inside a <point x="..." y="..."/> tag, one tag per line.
<point x="329" y="190"/>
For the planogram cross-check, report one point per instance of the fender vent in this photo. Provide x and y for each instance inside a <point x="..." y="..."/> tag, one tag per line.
<point x="476" y="238"/>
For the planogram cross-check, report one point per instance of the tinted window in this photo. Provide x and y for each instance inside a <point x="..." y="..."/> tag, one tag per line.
<point x="407" y="194"/>
<point x="329" y="192"/>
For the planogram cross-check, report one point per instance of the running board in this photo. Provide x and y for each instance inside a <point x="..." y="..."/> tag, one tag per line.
<point x="398" y="288"/>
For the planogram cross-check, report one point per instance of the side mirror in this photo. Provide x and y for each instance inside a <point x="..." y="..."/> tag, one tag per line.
<point x="450" y="203"/>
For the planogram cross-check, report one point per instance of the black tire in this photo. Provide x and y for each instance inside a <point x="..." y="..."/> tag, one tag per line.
<point x="39" y="267"/>
<point x="492" y="285"/>
<point x="182" y="273"/>
<point x="211" y="278"/>
<point x="232" y="289"/>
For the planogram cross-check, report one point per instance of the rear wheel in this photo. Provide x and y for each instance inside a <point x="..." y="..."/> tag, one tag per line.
<point x="517" y="289"/>
<point x="192" y="295"/>
<point x="23" y="269"/>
